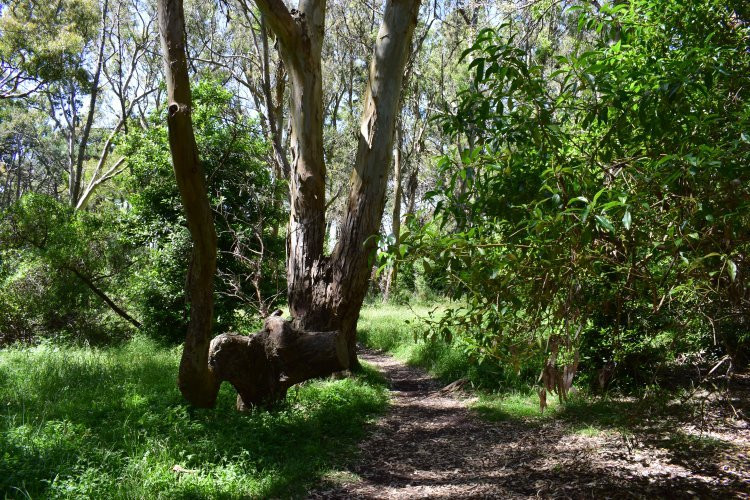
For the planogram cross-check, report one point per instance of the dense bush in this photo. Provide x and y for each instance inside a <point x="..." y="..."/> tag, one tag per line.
<point x="55" y="266"/>
<point x="601" y="216"/>
<point x="59" y="266"/>
<point x="247" y="213"/>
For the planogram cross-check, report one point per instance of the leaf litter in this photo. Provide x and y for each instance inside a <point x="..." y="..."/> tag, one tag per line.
<point x="430" y="444"/>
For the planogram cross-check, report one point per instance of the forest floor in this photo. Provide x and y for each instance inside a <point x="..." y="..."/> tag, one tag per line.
<point x="85" y="422"/>
<point x="431" y="444"/>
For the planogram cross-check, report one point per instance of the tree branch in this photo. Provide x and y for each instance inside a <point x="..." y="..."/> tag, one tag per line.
<point x="281" y="22"/>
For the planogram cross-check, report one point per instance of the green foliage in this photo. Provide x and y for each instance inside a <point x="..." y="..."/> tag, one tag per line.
<point x="45" y="40"/>
<point x="247" y="208"/>
<point x="48" y="251"/>
<point x="111" y="424"/>
<point x="136" y="249"/>
<point x="602" y="208"/>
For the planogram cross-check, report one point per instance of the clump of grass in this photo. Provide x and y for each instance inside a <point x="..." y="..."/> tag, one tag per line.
<point x="110" y="423"/>
<point x="514" y="405"/>
<point x="589" y="431"/>
<point x="397" y="329"/>
<point x="389" y="327"/>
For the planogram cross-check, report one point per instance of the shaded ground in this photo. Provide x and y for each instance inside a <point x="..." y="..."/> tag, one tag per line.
<point x="430" y="445"/>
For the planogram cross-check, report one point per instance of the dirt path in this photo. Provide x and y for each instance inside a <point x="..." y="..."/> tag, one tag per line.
<point x="430" y="445"/>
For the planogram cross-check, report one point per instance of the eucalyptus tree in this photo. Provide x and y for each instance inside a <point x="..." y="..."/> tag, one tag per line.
<point x="71" y="59"/>
<point x="40" y="43"/>
<point x="31" y="156"/>
<point x="131" y="77"/>
<point x="325" y="292"/>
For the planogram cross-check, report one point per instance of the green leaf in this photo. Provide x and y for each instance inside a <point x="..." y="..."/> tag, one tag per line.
<point x="597" y="195"/>
<point x="380" y="269"/>
<point x="605" y="223"/>
<point x="585" y="214"/>
<point x="732" y="269"/>
<point x="626" y="219"/>
<point x="478" y="63"/>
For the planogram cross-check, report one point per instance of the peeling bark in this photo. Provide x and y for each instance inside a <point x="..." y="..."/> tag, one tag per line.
<point x="263" y="366"/>
<point x="338" y="298"/>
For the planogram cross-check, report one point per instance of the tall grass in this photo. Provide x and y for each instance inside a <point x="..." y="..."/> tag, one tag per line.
<point x="502" y="395"/>
<point x="396" y="329"/>
<point x="110" y="423"/>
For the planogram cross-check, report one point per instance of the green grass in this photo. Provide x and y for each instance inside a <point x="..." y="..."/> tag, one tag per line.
<point x="514" y="405"/>
<point x="110" y="423"/>
<point x="500" y="395"/>
<point x="391" y="328"/>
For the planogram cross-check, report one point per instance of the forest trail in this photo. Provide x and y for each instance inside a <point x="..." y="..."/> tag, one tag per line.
<point x="431" y="445"/>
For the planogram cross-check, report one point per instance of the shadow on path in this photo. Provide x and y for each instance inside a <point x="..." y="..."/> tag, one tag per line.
<point x="430" y="445"/>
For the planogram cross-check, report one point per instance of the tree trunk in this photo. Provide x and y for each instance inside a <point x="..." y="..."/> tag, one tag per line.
<point x="77" y="178"/>
<point x="338" y="293"/>
<point x="412" y="193"/>
<point x="325" y="294"/>
<point x="275" y="118"/>
<point x="300" y="38"/>
<point x="280" y="356"/>
<point x="263" y="366"/>
<point x="396" y="213"/>
<point x="196" y="380"/>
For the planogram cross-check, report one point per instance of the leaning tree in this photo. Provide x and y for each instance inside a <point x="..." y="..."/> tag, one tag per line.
<point x="325" y="292"/>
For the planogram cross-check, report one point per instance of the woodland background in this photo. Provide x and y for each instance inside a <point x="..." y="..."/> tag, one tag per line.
<point x="569" y="201"/>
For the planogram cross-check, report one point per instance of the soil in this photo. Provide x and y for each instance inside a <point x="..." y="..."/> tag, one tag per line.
<point x="430" y="444"/>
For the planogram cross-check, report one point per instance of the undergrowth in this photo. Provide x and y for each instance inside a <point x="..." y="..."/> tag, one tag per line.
<point x="110" y="423"/>
<point x="500" y="395"/>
